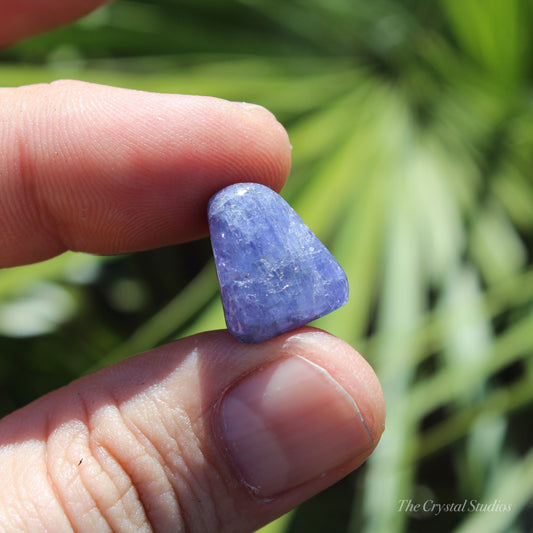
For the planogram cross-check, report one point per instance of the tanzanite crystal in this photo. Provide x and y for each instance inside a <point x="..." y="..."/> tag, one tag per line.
<point x="274" y="273"/>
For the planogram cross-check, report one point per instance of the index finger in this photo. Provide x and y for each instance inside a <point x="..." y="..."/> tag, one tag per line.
<point x="25" y="17"/>
<point x="104" y="170"/>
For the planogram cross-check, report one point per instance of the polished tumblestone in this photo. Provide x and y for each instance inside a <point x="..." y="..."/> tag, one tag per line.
<point x="274" y="273"/>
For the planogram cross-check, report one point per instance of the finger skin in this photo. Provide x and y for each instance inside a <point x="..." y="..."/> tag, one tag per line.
<point x="22" y="18"/>
<point x="105" y="170"/>
<point x="135" y="446"/>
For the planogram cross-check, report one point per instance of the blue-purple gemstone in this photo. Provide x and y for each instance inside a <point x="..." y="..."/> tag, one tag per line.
<point x="274" y="273"/>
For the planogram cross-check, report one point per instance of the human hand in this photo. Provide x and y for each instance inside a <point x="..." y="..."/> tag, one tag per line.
<point x="204" y="434"/>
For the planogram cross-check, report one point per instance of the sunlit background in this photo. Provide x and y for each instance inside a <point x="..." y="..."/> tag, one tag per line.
<point x="412" y="128"/>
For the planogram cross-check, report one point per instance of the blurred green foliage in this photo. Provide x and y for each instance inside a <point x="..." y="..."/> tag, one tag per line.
<point x="412" y="127"/>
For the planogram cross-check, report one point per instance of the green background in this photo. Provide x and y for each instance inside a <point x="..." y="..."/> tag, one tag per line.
<point x="412" y="128"/>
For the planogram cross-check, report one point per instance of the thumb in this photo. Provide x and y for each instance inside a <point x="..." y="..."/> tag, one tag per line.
<point x="205" y="434"/>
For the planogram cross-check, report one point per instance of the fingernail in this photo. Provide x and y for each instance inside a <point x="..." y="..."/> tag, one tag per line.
<point x="288" y="423"/>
